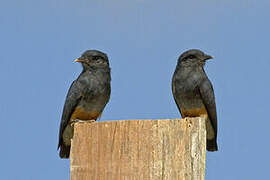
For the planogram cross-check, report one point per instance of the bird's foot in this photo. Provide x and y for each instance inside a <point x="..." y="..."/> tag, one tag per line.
<point x="81" y="121"/>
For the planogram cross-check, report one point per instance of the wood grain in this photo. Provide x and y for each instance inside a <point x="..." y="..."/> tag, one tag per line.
<point x="168" y="149"/>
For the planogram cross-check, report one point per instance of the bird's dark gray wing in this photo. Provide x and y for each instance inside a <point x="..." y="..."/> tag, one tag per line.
<point x="208" y="98"/>
<point x="174" y="95"/>
<point x="72" y="99"/>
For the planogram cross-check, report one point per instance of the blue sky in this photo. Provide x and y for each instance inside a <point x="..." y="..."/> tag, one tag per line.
<point x="40" y="40"/>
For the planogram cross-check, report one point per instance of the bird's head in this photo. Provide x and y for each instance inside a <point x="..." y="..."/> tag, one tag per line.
<point x="193" y="57"/>
<point x="93" y="59"/>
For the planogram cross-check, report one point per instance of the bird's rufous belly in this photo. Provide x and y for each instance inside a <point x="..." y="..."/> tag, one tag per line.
<point x="194" y="112"/>
<point x="81" y="114"/>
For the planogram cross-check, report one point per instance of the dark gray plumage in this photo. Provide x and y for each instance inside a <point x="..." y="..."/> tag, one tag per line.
<point x="87" y="96"/>
<point x="193" y="92"/>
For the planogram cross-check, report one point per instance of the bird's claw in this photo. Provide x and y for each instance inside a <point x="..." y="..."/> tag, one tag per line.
<point x="81" y="121"/>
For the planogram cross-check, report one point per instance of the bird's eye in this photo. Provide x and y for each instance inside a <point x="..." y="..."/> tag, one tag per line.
<point x="95" y="57"/>
<point x="191" y="57"/>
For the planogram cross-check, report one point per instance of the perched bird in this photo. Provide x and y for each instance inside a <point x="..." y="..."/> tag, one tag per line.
<point x="87" y="96"/>
<point x="194" y="94"/>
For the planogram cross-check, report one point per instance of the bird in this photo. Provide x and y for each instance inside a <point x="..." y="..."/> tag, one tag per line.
<point x="194" y="94"/>
<point x="87" y="96"/>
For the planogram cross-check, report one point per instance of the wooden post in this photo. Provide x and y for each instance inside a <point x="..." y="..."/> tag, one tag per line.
<point x="139" y="150"/>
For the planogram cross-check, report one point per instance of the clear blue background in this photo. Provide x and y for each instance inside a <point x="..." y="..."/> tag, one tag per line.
<point x="143" y="39"/>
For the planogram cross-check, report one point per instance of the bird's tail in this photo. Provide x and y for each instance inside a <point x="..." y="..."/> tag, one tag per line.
<point x="64" y="151"/>
<point x="212" y="145"/>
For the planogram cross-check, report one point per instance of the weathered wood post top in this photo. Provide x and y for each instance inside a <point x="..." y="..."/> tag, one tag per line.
<point x="169" y="149"/>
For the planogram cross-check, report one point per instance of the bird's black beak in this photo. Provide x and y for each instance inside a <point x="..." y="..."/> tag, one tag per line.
<point x="206" y="57"/>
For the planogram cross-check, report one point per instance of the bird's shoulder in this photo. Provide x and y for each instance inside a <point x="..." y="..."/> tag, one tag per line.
<point x="78" y="86"/>
<point x="205" y="84"/>
<point x="85" y="80"/>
